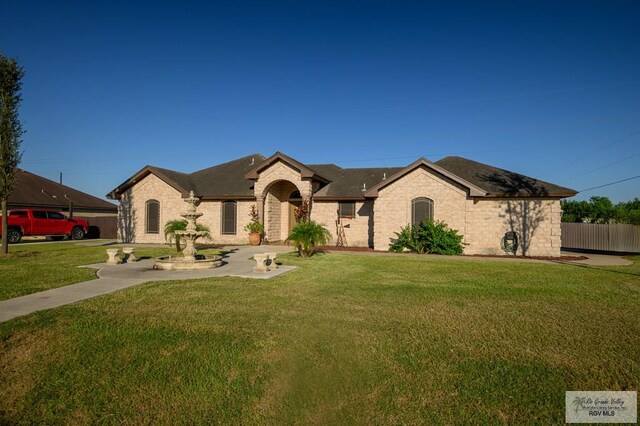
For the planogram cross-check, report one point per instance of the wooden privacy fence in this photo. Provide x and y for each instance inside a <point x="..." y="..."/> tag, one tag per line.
<point x="604" y="237"/>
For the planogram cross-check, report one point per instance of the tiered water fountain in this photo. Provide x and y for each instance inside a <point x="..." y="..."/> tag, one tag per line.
<point x="190" y="259"/>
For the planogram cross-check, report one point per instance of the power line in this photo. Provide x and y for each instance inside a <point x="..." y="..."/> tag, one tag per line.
<point x="575" y="160"/>
<point x="602" y="167"/>
<point x="609" y="184"/>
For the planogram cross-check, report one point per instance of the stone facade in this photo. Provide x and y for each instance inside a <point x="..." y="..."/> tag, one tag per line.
<point x="358" y="230"/>
<point x="482" y="221"/>
<point x="132" y="210"/>
<point x="281" y="172"/>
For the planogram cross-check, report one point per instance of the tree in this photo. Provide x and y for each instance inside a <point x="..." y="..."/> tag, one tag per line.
<point x="10" y="133"/>
<point x="575" y="211"/>
<point x="602" y="210"/>
<point x="628" y="212"/>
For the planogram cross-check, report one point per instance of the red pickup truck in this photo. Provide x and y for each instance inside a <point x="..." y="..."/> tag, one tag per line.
<point x="30" y="222"/>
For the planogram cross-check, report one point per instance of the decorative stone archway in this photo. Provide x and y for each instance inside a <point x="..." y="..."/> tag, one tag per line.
<point x="277" y="208"/>
<point x="276" y="179"/>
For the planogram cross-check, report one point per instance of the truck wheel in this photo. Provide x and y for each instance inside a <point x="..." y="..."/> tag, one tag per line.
<point x="77" y="234"/>
<point x="14" y="236"/>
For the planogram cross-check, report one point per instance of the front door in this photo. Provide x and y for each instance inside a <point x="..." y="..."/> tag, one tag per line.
<point x="293" y="205"/>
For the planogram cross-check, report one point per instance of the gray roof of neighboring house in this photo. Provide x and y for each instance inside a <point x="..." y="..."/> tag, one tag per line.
<point x="33" y="191"/>
<point x="501" y="182"/>
<point x="235" y="179"/>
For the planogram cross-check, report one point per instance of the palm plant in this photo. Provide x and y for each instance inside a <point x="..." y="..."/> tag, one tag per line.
<point x="172" y="226"/>
<point x="307" y="235"/>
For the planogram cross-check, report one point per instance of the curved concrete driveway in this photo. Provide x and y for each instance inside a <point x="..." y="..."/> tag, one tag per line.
<point x="112" y="278"/>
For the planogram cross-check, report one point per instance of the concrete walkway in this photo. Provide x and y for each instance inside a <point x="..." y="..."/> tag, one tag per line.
<point x="237" y="263"/>
<point x="597" y="259"/>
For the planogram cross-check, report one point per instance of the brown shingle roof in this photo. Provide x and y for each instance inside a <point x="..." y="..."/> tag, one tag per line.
<point x="33" y="191"/>
<point x="235" y="179"/>
<point x="228" y="179"/>
<point x="500" y="182"/>
<point x="348" y="183"/>
<point x="225" y="180"/>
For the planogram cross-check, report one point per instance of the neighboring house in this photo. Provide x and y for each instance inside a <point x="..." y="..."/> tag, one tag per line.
<point x="480" y="201"/>
<point x="33" y="191"/>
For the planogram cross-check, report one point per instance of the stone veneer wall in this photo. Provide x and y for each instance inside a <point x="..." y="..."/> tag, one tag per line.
<point x="131" y="213"/>
<point x="281" y="172"/>
<point x="358" y="230"/>
<point x="212" y="218"/>
<point x="132" y="209"/>
<point x="536" y="221"/>
<point x="482" y="222"/>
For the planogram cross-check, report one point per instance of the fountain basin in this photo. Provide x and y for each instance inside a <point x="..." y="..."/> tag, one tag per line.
<point x="178" y="263"/>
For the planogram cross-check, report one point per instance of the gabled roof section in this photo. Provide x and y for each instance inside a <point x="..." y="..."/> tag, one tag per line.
<point x="474" y="190"/>
<point x="500" y="182"/>
<point x="33" y="191"/>
<point x="349" y="183"/>
<point x="227" y="179"/>
<point x="305" y="171"/>
<point x="180" y="181"/>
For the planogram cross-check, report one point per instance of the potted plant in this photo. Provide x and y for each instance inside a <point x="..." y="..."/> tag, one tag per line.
<point x="254" y="228"/>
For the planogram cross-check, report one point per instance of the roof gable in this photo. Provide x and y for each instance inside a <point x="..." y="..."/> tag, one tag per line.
<point x="500" y="182"/>
<point x="474" y="190"/>
<point x="305" y="171"/>
<point x="179" y="181"/>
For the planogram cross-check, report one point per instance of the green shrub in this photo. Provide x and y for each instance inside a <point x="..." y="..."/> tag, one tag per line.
<point x="428" y="237"/>
<point x="307" y="235"/>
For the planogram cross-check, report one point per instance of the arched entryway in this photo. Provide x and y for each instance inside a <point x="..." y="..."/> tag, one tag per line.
<point x="281" y="198"/>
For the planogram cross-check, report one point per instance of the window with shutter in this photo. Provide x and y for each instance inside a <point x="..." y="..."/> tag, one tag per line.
<point x="229" y="210"/>
<point x="152" y="217"/>
<point x="347" y="209"/>
<point x="421" y="209"/>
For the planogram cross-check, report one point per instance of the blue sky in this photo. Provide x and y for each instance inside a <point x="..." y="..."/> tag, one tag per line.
<point x="548" y="89"/>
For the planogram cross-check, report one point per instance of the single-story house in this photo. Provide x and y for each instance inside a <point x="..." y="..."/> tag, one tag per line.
<point x="36" y="192"/>
<point x="371" y="204"/>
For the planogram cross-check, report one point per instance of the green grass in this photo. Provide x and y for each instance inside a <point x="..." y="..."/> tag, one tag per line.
<point x="344" y="339"/>
<point x="29" y="268"/>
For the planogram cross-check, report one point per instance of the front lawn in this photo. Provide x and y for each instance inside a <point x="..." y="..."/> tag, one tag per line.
<point x="343" y="339"/>
<point x="29" y="268"/>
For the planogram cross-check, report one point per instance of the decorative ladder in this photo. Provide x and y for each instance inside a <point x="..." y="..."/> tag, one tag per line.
<point x="342" y="238"/>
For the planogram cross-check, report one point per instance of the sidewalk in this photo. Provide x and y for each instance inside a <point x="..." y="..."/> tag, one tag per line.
<point x="237" y="263"/>
<point x="598" y="259"/>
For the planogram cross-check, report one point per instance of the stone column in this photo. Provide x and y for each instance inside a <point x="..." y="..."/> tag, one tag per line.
<point x="260" y="207"/>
